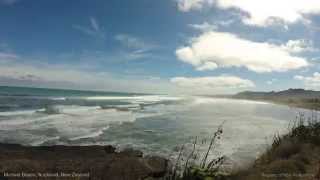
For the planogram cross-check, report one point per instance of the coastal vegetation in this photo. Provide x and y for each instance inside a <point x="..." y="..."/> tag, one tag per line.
<point x="294" y="155"/>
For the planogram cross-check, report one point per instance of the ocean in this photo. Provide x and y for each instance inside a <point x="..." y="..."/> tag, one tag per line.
<point x="154" y="124"/>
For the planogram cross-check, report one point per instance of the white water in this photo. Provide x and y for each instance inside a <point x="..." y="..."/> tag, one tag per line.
<point x="157" y="128"/>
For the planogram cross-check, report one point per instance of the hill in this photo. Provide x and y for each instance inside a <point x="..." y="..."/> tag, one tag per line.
<point x="293" y="97"/>
<point x="290" y="93"/>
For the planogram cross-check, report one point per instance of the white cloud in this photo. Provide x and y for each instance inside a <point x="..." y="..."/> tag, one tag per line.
<point x="207" y="66"/>
<point x="270" y="82"/>
<point x="7" y="56"/>
<point x="204" y="27"/>
<point x="44" y="73"/>
<point x="94" y="24"/>
<point x="187" y="5"/>
<point x="260" y="12"/>
<point x="312" y="82"/>
<point x="136" y="48"/>
<point x="212" y="84"/>
<point x="298" y="77"/>
<point x="134" y="42"/>
<point x="217" y="49"/>
<point x="299" y="46"/>
<point x="14" y="73"/>
<point x="93" y="29"/>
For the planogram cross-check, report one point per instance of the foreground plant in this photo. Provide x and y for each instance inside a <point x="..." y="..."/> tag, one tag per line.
<point x="198" y="166"/>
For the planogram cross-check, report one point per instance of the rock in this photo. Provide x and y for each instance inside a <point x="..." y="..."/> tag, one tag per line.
<point x="131" y="167"/>
<point x="109" y="149"/>
<point x="157" y="165"/>
<point x="100" y="162"/>
<point x="132" y="152"/>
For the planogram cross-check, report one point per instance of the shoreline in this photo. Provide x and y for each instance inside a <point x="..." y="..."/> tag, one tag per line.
<point x="294" y="104"/>
<point x="88" y="162"/>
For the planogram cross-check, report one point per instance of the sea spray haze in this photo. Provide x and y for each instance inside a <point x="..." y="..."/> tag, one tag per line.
<point x="155" y="124"/>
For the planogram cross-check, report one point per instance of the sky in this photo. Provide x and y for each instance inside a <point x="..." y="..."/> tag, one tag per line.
<point x="167" y="46"/>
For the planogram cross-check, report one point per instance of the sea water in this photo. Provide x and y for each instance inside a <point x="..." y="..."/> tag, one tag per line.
<point x="154" y="124"/>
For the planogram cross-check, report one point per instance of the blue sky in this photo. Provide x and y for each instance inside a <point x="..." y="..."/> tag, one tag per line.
<point x="167" y="46"/>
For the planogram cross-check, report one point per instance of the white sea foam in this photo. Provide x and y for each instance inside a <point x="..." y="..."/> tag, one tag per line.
<point x="17" y="113"/>
<point x="75" y="121"/>
<point x="58" y="98"/>
<point x="247" y="124"/>
<point x="127" y="107"/>
<point x="91" y="135"/>
<point x="147" y="98"/>
<point x="43" y="140"/>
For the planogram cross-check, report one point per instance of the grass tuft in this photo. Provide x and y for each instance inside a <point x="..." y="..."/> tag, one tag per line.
<point x="198" y="166"/>
<point x="295" y="155"/>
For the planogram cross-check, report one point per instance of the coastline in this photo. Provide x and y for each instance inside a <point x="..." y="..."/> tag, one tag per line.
<point x="89" y="162"/>
<point x="103" y="162"/>
<point x="292" y="103"/>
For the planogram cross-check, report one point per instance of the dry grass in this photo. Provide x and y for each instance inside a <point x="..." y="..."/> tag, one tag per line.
<point x="198" y="166"/>
<point x="295" y="155"/>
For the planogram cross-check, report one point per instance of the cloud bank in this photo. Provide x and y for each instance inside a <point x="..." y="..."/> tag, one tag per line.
<point x="312" y="82"/>
<point x="259" y="12"/>
<point x="15" y="73"/>
<point x="213" y="50"/>
<point x="212" y="84"/>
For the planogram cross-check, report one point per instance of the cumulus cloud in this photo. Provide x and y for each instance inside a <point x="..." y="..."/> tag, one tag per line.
<point x="299" y="46"/>
<point x="212" y="84"/>
<point x="212" y="50"/>
<point x="312" y="82"/>
<point x="259" y="12"/>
